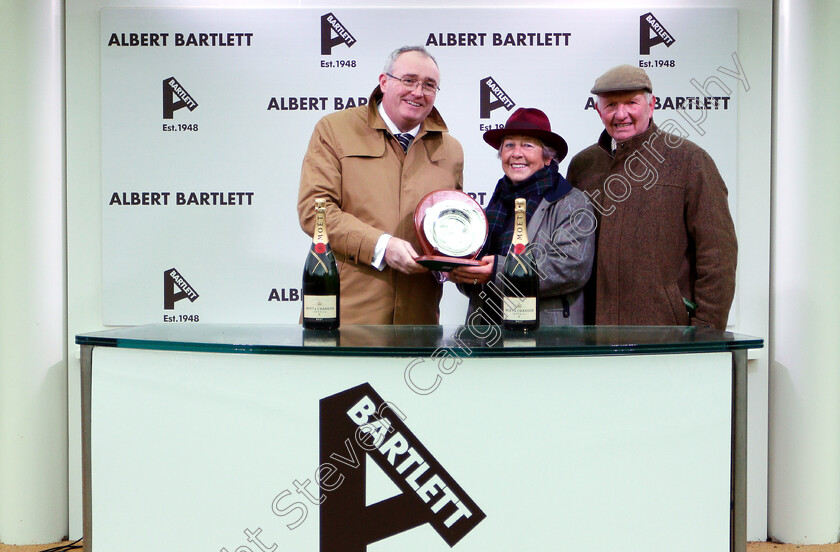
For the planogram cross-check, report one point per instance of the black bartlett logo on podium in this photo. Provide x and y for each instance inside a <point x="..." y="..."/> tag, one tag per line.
<point x="492" y="97"/>
<point x="329" y="25"/>
<point x="175" y="97"/>
<point x="651" y="33"/>
<point x="429" y="494"/>
<point x="175" y="288"/>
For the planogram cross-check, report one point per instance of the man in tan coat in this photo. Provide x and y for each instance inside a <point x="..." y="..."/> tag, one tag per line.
<point x="356" y="159"/>
<point x="666" y="248"/>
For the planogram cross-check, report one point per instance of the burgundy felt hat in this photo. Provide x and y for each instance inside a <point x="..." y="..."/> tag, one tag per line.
<point x="528" y="121"/>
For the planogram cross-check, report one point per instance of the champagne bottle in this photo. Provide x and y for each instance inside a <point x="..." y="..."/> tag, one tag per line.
<point x="521" y="285"/>
<point x="320" y="278"/>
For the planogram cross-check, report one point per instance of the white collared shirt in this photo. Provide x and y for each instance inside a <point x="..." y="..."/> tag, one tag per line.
<point x="378" y="261"/>
<point x="390" y="124"/>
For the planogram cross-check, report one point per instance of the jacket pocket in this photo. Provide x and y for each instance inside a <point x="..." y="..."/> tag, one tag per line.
<point x="675" y="299"/>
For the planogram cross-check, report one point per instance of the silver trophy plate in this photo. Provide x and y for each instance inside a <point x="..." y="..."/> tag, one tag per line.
<point x="455" y="228"/>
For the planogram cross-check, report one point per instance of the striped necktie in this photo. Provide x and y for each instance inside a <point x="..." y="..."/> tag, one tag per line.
<point x="404" y="139"/>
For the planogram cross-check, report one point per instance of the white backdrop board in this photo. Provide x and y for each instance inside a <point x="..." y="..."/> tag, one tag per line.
<point x="206" y="115"/>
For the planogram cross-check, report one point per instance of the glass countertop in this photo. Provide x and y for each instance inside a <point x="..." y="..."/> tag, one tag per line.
<point x="409" y="341"/>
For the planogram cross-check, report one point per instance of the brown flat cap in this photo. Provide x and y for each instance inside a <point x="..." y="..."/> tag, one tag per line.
<point x="622" y="77"/>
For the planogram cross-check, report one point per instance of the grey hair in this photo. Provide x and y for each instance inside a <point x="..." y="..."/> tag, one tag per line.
<point x="389" y="63"/>
<point x="549" y="153"/>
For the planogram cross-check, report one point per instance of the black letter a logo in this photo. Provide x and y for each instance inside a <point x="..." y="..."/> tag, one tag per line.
<point x="429" y="495"/>
<point x="330" y="23"/>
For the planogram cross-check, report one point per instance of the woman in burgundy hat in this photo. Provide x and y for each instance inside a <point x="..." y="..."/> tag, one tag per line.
<point x="561" y="225"/>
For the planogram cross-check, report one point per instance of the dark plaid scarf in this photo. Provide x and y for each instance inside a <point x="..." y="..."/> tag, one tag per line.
<point x="499" y="210"/>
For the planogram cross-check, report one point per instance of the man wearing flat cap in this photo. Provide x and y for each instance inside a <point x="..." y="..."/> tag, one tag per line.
<point x="666" y="248"/>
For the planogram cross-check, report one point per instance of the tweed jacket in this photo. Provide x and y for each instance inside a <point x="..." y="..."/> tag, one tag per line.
<point x="564" y="252"/>
<point x="373" y="188"/>
<point x="664" y="231"/>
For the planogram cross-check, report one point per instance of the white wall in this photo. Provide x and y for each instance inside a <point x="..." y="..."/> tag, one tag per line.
<point x="84" y="263"/>
<point x="804" y="497"/>
<point x="33" y="363"/>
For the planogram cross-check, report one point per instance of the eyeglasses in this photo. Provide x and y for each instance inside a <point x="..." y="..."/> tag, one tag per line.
<point x="429" y="88"/>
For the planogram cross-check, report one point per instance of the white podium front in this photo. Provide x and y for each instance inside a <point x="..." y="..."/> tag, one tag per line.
<point x="394" y="438"/>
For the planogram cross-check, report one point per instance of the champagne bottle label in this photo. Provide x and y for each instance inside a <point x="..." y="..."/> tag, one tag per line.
<point x="520" y="308"/>
<point x="319" y="237"/>
<point x="319" y="306"/>
<point x="520" y="232"/>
